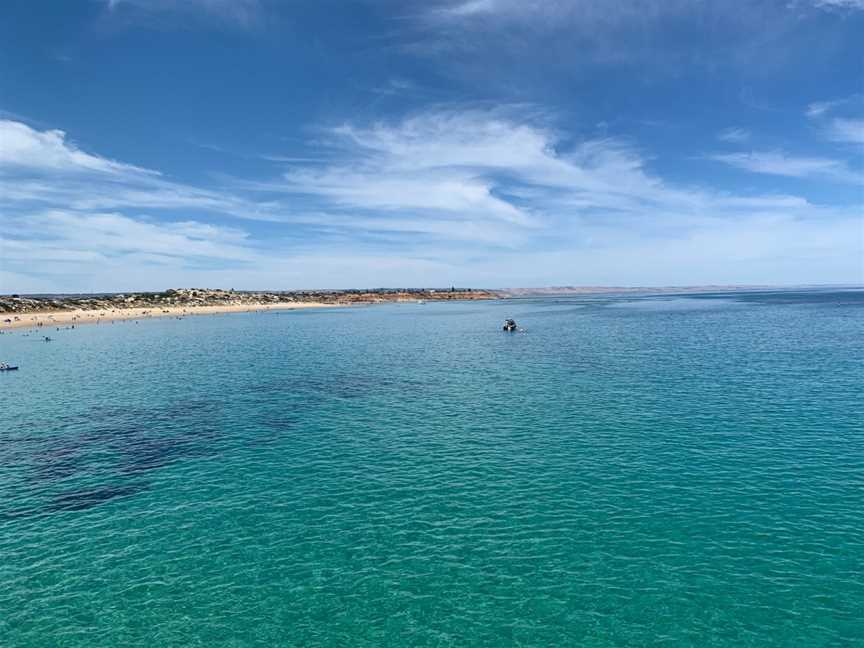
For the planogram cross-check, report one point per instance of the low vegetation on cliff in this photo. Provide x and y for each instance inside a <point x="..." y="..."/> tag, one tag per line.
<point x="191" y="297"/>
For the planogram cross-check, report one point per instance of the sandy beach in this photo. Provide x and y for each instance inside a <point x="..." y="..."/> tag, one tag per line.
<point x="54" y="319"/>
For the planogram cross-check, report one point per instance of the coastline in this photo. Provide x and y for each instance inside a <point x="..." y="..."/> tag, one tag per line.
<point x="46" y="311"/>
<point x="64" y="318"/>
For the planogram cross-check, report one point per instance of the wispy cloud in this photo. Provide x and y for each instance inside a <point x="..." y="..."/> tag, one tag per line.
<point x="498" y="193"/>
<point x="56" y="234"/>
<point x="842" y="126"/>
<point x="472" y="7"/>
<point x="840" y="4"/>
<point x="847" y="130"/>
<point x="43" y="168"/>
<point x="820" y="108"/>
<point x="24" y="147"/>
<point x="62" y="250"/>
<point x="734" y="134"/>
<point x="240" y="13"/>
<point x="495" y="175"/>
<point x="781" y="164"/>
<point x="577" y="34"/>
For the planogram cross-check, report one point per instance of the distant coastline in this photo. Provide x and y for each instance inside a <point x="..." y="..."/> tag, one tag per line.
<point x="33" y="311"/>
<point x="42" y="311"/>
<point x="654" y="290"/>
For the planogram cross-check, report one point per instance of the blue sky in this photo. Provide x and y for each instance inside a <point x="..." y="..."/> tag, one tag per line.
<point x="146" y="144"/>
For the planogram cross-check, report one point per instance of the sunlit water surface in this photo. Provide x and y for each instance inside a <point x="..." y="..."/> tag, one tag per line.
<point x="631" y="471"/>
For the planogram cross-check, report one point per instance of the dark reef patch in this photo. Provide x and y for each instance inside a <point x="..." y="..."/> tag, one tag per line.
<point x="80" y="500"/>
<point x="116" y="440"/>
<point x="150" y="453"/>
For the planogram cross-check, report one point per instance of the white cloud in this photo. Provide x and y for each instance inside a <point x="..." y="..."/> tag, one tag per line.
<point x="242" y="13"/>
<point x="840" y="128"/>
<point x="759" y="249"/>
<point x="43" y="168"/>
<point x="466" y="161"/>
<point x="596" y="199"/>
<point x="840" y="4"/>
<point x="432" y="173"/>
<point x="57" y="235"/>
<point x="513" y="38"/>
<point x="585" y="10"/>
<point x="459" y="195"/>
<point x="734" y="134"/>
<point x="551" y="10"/>
<point x="846" y="130"/>
<point x="498" y="167"/>
<point x="819" y="108"/>
<point x="24" y="147"/>
<point x="472" y="7"/>
<point x="781" y="164"/>
<point x="66" y="251"/>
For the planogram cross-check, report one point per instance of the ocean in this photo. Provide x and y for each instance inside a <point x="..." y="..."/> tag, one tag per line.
<point x="669" y="470"/>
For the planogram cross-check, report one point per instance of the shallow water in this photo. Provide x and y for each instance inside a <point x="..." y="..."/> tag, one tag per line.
<point x="681" y="471"/>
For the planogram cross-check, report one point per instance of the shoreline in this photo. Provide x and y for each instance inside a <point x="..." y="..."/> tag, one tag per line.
<point x="66" y="318"/>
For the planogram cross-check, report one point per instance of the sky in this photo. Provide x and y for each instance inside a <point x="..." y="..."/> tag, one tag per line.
<point x="274" y="145"/>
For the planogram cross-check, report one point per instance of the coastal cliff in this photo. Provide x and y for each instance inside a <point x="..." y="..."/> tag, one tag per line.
<point x="195" y="297"/>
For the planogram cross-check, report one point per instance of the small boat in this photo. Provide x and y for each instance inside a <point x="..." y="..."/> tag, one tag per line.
<point x="8" y="368"/>
<point x="510" y="325"/>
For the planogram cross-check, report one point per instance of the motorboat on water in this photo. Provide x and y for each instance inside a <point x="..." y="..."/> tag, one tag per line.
<point x="8" y="368"/>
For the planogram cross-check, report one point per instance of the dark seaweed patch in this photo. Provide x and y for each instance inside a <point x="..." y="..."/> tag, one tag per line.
<point x="55" y="463"/>
<point x="272" y="429"/>
<point x="151" y="453"/>
<point x="54" y="470"/>
<point x="84" y="499"/>
<point x="134" y="435"/>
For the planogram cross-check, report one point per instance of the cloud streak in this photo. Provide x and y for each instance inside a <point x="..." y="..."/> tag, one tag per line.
<point x="498" y="193"/>
<point x="531" y="191"/>
<point x="847" y="130"/>
<point x="44" y="169"/>
<point x="843" y="128"/>
<point x="239" y="13"/>
<point x="734" y="135"/>
<point x="26" y="148"/>
<point x="781" y="164"/>
<point x="852" y="5"/>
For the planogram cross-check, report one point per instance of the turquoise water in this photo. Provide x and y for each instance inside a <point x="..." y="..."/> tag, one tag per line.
<point x="678" y="471"/>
